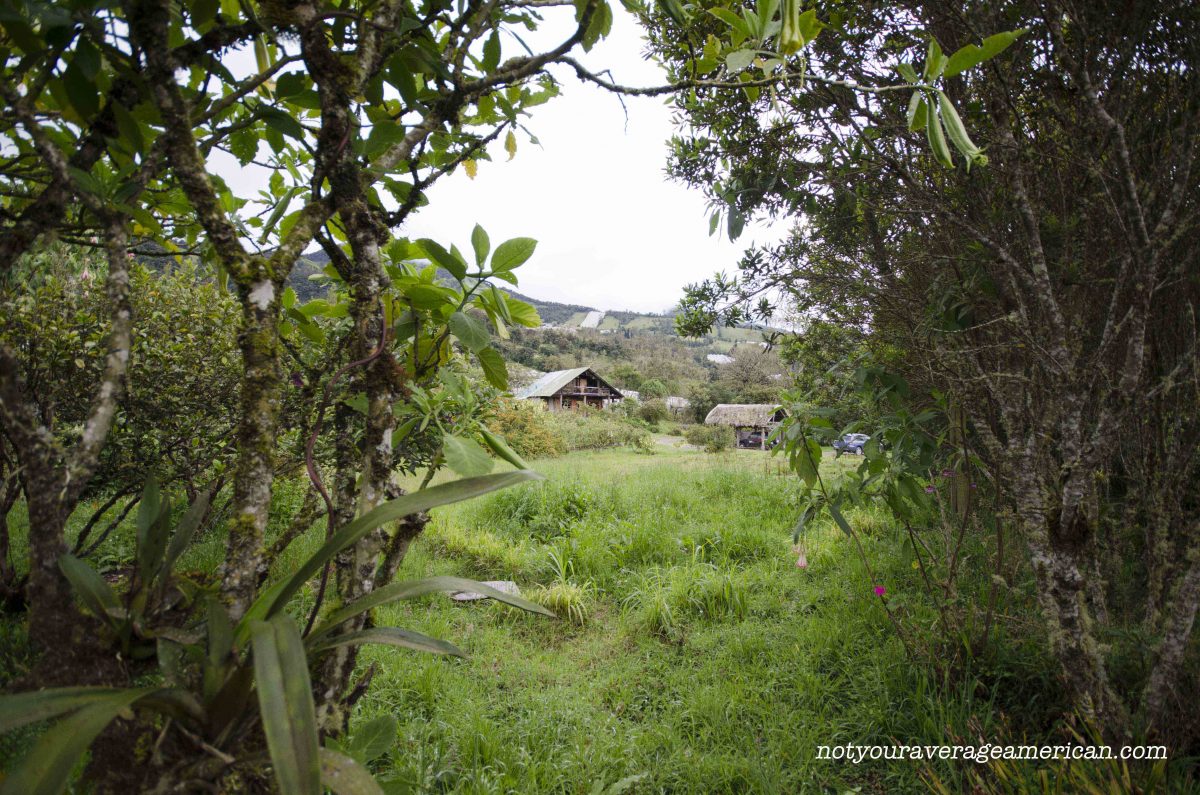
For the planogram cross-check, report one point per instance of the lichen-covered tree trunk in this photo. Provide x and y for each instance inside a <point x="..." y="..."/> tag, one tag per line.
<point x="262" y="386"/>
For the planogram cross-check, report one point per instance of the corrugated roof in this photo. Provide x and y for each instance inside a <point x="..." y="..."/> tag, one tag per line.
<point x="550" y="383"/>
<point x="757" y="414"/>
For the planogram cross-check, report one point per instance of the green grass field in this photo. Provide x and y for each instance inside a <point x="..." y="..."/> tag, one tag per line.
<point x="692" y="656"/>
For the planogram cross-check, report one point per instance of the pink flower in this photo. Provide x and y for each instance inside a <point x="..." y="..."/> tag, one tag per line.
<point x="930" y="489"/>
<point x="880" y="590"/>
<point x="802" y="561"/>
<point x="947" y="473"/>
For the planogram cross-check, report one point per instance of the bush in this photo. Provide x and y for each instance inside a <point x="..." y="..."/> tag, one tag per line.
<point x="528" y="428"/>
<point x="654" y="411"/>
<point x="590" y="429"/>
<point x="712" y="438"/>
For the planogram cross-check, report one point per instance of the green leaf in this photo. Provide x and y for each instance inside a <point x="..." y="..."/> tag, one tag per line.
<point x="935" y="61"/>
<point x="501" y="448"/>
<point x="465" y="456"/>
<point x="512" y="253"/>
<point x="286" y="704"/>
<point x="491" y="52"/>
<point x="391" y="636"/>
<point x="907" y="71"/>
<point x="343" y="776"/>
<point x="470" y="332"/>
<point x="918" y="110"/>
<point x="414" y="588"/>
<point x="731" y="19"/>
<point x="46" y="769"/>
<point x="521" y="313"/>
<point x="972" y="55"/>
<point x="96" y="594"/>
<point x="283" y="122"/>
<point x="390" y="511"/>
<point x="38" y="705"/>
<point x="481" y="244"/>
<point x="153" y="518"/>
<point x="494" y="368"/>
<point x="443" y="258"/>
<point x="374" y="738"/>
<point x="738" y="60"/>
<point x="840" y="520"/>
<point x="81" y="92"/>
<point x="187" y="529"/>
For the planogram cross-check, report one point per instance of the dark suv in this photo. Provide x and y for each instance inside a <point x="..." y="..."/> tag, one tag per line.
<point x="851" y="443"/>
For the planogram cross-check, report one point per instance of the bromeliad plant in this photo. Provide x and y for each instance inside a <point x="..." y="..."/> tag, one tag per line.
<point x="227" y="685"/>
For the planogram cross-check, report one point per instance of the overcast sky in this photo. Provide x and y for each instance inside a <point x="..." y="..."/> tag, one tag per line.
<point x="613" y="232"/>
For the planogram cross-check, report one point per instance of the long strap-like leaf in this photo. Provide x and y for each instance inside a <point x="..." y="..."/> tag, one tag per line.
<point x="418" y="501"/>
<point x="286" y="703"/>
<point x="391" y="636"/>
<point x="48" y="766"/>
<point x="414" y="588"/>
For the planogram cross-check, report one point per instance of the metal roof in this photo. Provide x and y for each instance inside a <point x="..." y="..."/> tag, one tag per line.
<point x="550" y="383"/>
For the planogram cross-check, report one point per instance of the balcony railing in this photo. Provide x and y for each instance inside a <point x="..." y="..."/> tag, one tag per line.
<point x="602" y="391"/>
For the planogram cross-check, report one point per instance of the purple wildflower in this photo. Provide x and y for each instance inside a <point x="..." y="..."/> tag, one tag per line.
<point x="880" y="590"/>
<point x="930" y="489"/>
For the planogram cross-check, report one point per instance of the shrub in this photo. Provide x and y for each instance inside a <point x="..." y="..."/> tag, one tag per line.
<point x="712" y="438"/>
<point x="528" y="428"/>
<point x="590" y="429"/>
<point x="654" y="411"/>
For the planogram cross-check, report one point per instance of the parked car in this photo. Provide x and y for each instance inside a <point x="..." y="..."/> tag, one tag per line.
<point x="851" y="443"/>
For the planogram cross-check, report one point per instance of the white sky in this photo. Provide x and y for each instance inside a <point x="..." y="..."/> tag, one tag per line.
<point x="612" y="231"/>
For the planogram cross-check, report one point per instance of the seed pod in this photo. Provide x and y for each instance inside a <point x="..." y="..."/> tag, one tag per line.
<point x="957" y="131"/>
<point x="790" y="38"/>
<point x="937" y="140"/>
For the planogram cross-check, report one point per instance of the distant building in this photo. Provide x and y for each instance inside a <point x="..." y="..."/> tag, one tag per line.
<point x="719" y="358"/>
<point x="569" y="389"/>
<point x="676" y="405"/>
<point x="752" y="422"/>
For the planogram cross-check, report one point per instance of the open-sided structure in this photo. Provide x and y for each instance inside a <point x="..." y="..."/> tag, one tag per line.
<point x="753" y="422"/>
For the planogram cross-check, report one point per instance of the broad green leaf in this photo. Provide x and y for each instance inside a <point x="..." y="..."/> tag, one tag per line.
<point x="935" y="61"/>
<point x="470" y="332"/>
<point x="373" y="739"/>
<point x="501" y="448"/>
<point x="907" y="71"/>
<point x="918" y="109"/>
<point x="390" y="511"/>
<point x="412" y="589"/>
<point x="494" y="368"/>
<point x="286" y="704"/>
<point x="731" y="19"/>
<point x="343" y="776"/>
<point x="22" y="709"/>
<point x="481" y="244"/>
<point x="465" y="456"/>
<point x="45" y="770"/>
<point x="738" y="60"/>
<point x="512" y="253"/>
<point x="391" y="636"/>
<point x="440" y="256"/>
<point x="972" y="55"/>
<point x="491" y="52"/>
<point x="522" y="313"/>
<point x="97" y="595"/>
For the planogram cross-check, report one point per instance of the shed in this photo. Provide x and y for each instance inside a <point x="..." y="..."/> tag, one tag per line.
<point x="752" y="422"/>
<point x="568" y="389"/>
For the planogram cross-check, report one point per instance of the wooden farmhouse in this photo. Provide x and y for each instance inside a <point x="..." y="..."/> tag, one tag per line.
<point x="752" y="422"/>
<point x="569" y="389"/>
